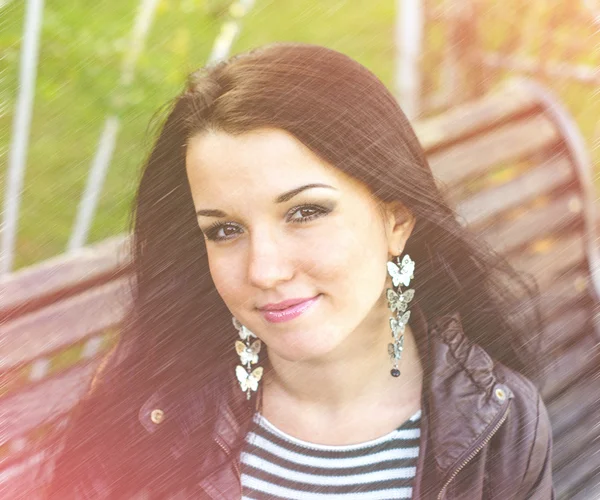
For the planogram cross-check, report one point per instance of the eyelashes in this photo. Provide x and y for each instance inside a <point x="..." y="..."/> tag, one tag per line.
<point x="315" y="212"/>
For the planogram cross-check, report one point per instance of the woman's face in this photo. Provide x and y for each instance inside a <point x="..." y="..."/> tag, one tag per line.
<point x="281" y="224"/>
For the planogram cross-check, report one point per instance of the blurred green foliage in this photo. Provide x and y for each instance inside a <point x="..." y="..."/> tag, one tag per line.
<point x="82" y="47"/>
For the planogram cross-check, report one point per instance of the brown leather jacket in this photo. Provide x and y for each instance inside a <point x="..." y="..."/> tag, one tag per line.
<point x="485" y="431"/>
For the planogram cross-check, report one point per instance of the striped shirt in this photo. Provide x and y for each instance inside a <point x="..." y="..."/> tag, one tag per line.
<point x="276" y="465"/>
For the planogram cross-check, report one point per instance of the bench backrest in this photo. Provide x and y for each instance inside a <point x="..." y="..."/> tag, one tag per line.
<point x="516" y="169"/>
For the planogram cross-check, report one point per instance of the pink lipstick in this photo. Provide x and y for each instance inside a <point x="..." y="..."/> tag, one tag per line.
<point x="274" y="315"/>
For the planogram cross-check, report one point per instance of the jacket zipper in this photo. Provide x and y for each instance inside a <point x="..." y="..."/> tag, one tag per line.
<point x="475" y="452"/>
<point x="228" y="453"/>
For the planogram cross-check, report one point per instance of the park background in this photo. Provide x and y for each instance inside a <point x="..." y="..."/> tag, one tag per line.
<point x="468" y="48"/>
<point x="60" y="317"/>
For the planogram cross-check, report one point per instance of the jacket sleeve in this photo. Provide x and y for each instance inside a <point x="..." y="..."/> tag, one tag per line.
<point x="537" y="483"/>
<point x="76" y="472"/>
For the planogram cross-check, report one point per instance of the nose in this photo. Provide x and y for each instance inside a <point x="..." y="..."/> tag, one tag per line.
<point x="269" y="262"/>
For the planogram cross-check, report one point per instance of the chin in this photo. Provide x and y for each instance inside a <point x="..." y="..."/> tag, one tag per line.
<point x="303" y="349"/>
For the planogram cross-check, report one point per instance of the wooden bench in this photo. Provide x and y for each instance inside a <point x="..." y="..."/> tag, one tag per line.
<point x="513" y="164"/>
<point x="57" y="320"/>
<point x="516" y="169"/>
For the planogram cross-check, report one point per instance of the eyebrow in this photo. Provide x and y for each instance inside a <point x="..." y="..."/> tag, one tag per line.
<point x="282" y="198"/>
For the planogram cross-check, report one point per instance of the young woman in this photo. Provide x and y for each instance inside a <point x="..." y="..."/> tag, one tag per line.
<point x="310" y="320"/>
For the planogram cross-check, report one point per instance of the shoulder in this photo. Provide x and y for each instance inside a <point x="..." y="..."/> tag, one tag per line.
<point x="92" y="454"/>
<point x="523" y="444"/>
<point x="126" y="437"/>
<point x="101" y="443"/>
<point x="527" y="410"/>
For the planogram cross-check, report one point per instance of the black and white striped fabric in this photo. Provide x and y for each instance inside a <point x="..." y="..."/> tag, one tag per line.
<point x="278" y="466"/>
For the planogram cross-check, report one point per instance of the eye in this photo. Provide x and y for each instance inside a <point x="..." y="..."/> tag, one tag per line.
<point x="212" y="232"/>
<point x="309" y="212"/>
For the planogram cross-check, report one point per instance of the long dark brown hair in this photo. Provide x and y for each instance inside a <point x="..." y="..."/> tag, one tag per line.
<point x="179" y="331"/>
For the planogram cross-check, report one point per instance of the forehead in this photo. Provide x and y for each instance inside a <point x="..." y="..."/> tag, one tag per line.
<point x="266" y="154"/>
<point x="266" y="160"/>
<point x="247" y="170"/>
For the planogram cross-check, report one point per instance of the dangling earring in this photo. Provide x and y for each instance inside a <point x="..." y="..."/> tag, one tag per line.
<point x="401" y="273"/>
<point x="248" y="353"/>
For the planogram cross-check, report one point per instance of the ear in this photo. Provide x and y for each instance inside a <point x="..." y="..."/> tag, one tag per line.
<point x="399" y="224"/>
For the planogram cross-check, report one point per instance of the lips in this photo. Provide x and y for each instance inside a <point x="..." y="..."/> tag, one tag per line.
<point x="290" y="312"/>
<point x="280" y="306"/>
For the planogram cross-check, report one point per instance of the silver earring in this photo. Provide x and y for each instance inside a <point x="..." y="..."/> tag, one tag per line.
<point x="248" y="352"/>
<point x="401" y="272"/>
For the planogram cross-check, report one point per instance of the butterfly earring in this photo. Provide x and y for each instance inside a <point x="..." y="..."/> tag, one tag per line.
<point x="401" y="273"/>
<point x="248" y="352"/>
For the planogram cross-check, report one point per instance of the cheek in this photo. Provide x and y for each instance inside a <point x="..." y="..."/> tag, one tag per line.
<point x="347" y="258"/>
<point x="327" y="256"/>
<point x="226" y="278"/>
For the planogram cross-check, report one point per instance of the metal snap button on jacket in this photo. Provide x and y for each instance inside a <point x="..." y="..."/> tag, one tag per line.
<point x="157" y="415"/>
<point x="500" y="393"/>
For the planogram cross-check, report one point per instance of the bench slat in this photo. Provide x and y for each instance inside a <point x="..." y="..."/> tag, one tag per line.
<point x="540" y="180"/>
<point x="566" y="410"/>
<point x="576" y="471"/>
<point x="474" y="117"/>
<point x="589" y="489"/>
<point x="568" y="446"/>
<point x="575" y="363"/>
<point x="36" y="286"/>
<point x="568" y="292"/>
<point x="61" y="325"/>
<point x="546" y="267"/>
<point x="566" y="328"/>
<point x="25" y="411"/>
<point x="506" y="144"/>
<point x="507" y="235"/>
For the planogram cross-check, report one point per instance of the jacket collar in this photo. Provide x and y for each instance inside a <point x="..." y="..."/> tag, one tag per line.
<point x="462" y="400"/>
